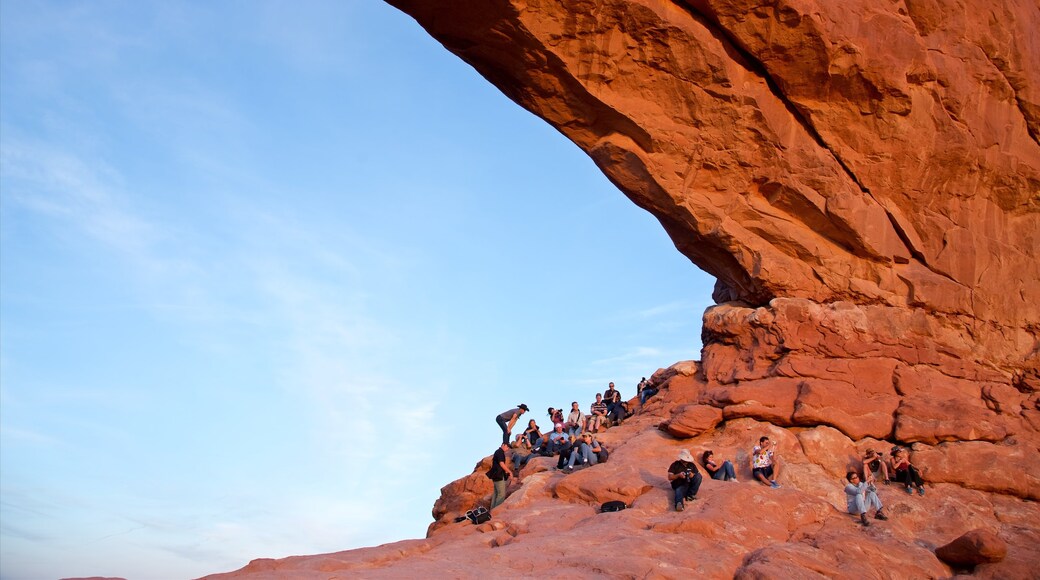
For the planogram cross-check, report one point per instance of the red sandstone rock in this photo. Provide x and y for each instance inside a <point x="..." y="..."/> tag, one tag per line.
<point x="862" y="179"/>
<point x="691" y="420"/>
<point x="974" y="547"/>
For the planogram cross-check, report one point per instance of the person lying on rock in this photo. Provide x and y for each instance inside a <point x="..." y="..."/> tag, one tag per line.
<point x="499" y="475"/>
<point x="875" y="467"/>
<point x="905" y="472"/>
<point x="723" y="471"/>
<point x="765" y="463"/>
<point x="575" y="420"/>
<point x="598" y="412"/>
<point x="507" y="419"/>
<point x="862" y="496"/>
<point x="585" y="452"/>
<point x="685" y="478"/>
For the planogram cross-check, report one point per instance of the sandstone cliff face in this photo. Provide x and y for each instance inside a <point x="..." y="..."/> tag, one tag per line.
<point x="863" y="178"/>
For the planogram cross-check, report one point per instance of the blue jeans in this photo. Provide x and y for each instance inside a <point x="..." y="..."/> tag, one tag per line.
<point x="586" y="454"/>
<point x="646" y="394"/>
<point x="865" y="501"/>
<point x="725" y="472"/>
<point x="688" y="488"/>
<point x="519" y="460"/>
<point x="505" y="429"/>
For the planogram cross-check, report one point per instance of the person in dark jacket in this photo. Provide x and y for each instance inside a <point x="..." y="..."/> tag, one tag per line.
<point x="499" y="475"/>
<point x="685" y="478"/>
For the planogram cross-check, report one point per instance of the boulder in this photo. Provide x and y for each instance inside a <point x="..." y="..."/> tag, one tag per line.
<point x="973" y="548"/>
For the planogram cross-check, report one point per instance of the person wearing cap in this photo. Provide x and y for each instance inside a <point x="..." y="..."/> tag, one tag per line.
<point x="685" y="478"/>
<point x="558" y="434"/>
<point x="507" y="419"/>
<point x="499" y="475"/>
<point x="587" y="450"/>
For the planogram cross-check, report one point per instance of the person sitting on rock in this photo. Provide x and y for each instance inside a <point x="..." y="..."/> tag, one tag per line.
<point x="532" y="434"/>
<point x="645" y="389"/>
<point x="685" y="478"/>
<point x="598" y="412"/>
<point x="765" y="463"/>
<point x="575" y="420"/>
<point x="556" y="416"/>
<point x="861" y="496"/>
<point x="519" y="459"/>
<point x="615" y="408"/>
<point x="507" y="419"/>
<point x="557" y="433"/>
<point x="905" y="472"/>
<point x="586" y="450"/>
<point x="724" y="472"/>
<point x="875" y="467"/>
<point x="499" y="475"/>
<point x="564" y="447"/>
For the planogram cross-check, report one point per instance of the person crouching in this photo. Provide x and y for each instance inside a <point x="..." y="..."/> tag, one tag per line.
<point x="685" y="478"/>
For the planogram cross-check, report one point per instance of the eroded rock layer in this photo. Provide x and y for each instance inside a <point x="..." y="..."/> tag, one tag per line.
<point x="863" y="178"/>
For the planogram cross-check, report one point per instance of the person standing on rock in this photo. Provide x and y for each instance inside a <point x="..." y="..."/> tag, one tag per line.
<point x="861" y="497"/>
<point x="685" y="478"/>
<point x="765" y="463"/>
<point x="499" y="475"/>
<point x="507" y="419"/>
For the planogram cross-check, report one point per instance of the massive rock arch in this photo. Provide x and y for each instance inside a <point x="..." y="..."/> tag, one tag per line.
<point x="863" y="179"/>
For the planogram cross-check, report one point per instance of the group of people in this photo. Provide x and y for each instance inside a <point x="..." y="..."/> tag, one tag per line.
<point x="686" y="478"/>
<point x="572" y="438"/>
<point x="861" y="491"/>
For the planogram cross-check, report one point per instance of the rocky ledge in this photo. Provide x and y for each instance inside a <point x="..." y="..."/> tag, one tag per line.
<point x="863" y="179"/>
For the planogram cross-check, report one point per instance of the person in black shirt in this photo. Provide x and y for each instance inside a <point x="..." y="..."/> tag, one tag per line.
<point x="499" y="474"/>
<point x="685" y="478"/>
<point x="615" y="409"/>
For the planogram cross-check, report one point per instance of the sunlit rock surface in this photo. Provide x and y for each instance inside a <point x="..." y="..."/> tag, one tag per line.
<point x="863" y="178"/>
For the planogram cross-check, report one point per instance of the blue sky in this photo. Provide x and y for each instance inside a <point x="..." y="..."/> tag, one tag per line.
<point x="268" y="270"/>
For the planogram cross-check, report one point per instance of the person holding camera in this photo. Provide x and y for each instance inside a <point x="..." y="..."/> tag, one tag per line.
<point x="861" y="496"/>
<point x="685" y="478"/>
<point x="875" y="467"/>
